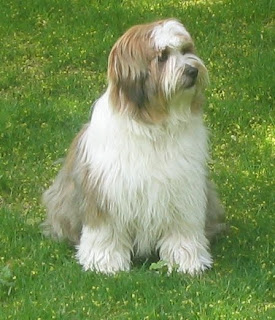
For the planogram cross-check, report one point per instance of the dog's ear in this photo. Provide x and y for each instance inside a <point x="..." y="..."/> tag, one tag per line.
<point x="128" y="71"/>
<point x="133" y="80"/>
<point x="127" y="75"/>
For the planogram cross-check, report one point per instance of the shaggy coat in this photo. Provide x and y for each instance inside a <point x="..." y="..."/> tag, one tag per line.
<point x="135" y="180"/>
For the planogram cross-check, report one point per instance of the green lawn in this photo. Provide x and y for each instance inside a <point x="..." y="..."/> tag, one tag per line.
<point x="53" y="66"/>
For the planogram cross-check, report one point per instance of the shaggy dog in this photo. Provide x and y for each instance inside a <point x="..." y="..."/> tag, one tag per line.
<point x="135" y="180"/>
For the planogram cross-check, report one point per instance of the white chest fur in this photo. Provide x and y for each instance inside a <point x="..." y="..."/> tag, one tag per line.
<point x="150" y="176"/>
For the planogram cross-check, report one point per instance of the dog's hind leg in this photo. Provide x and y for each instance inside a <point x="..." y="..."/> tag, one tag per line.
<point x="63" y="200"/>
<point x="215" y="216"/>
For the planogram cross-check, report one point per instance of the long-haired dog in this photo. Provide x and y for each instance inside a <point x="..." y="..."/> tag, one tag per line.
<point x="135" y="180"/>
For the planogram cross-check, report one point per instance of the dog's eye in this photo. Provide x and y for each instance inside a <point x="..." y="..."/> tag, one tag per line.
<point x="163" y="56"/>
<point x="183" y="51"/>
<point x="187" y="49"/>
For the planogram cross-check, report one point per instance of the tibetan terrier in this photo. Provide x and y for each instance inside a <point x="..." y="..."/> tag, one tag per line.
<point x="135" y="180"/>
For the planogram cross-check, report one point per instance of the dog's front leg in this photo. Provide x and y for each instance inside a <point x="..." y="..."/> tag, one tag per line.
<point x="104" y="248"/>
<point x="185" y="251"/>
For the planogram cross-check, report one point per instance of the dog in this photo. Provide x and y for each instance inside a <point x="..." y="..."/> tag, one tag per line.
<point x="135" y="180"/>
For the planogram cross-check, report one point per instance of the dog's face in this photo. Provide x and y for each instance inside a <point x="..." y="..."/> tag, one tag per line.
<point x="152" y="65"/>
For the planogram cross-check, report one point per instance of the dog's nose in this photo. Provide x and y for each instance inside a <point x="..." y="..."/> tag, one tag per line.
<point x="191" y="71"/>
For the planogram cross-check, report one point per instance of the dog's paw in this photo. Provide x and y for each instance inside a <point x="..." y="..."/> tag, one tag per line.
<point x="186" y="257"/>
<point x="192" y="263"/>
<point x="100" y="253"/>
<point x="102" y="261"/>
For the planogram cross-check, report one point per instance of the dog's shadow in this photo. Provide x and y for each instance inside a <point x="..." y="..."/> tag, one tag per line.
<point x="142" y="263"/>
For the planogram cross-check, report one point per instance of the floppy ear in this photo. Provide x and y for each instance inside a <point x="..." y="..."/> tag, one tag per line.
<point x="133" y="80"/>
<point x="128" y="73"/>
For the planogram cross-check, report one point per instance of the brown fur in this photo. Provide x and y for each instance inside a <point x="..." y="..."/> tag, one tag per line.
<point x="215" y="217"/>
<point x="66" y="202"/>
<point x="135" y="86"/>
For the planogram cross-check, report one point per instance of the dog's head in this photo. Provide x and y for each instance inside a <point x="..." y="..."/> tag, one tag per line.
<point x="153" y="65"/>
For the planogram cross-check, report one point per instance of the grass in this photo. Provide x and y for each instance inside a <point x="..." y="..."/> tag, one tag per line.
<point x="54" y="55"/>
